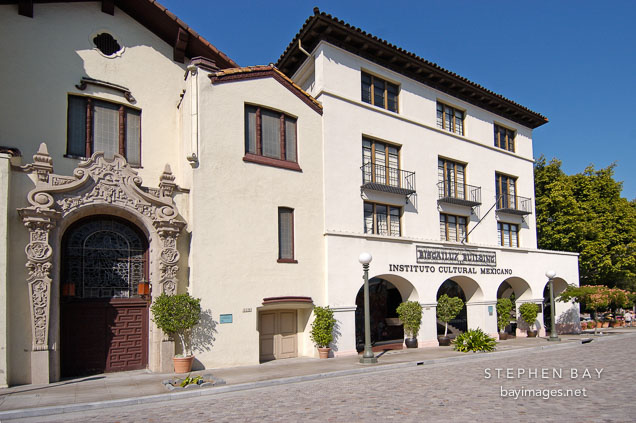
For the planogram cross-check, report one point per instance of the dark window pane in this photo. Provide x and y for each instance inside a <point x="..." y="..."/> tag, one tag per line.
<point x="382" y="220"/>
<point x="290" y="139"/>
<point x="76" y="131"/>
<point x="395" y="221"/>
<point x="285" y="233"/>
<point x="368" y="218"/>
<point x="391" y="97"/>
<point x="133" y="137"/>
<point x="366" y="88"/>
<point x="106" y="128"/>
<point x="250" y="129"/>
<point x="270" y="130"/>
<point x="378" y="92"/>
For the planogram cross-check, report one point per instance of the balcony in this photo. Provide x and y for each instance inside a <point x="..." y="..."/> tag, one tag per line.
<point x="387" y="179"/>
<point x="514" y="204"/>
<point x="462" y="195"/>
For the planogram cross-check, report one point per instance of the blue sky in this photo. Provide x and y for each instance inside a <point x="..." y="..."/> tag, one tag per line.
<point x="572" y="61"/>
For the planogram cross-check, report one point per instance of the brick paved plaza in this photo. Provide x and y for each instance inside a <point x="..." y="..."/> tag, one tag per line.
<point x="458" y="391"/>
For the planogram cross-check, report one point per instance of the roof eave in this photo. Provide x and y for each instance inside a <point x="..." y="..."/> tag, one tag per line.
<point x="323" y="27"/>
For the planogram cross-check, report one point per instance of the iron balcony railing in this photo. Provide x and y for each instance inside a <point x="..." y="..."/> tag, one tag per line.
<point x="514" y="204"/>
<point x="460" y="194"/>
<point x="387" y="179"/>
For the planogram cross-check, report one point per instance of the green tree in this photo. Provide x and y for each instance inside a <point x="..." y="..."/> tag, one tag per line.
<point x="321" y="332"/>
<point x="504" y="308"/>
<point x="585" y="213"/>
<point x="177" y="315"/>
<point x="410" y="313"/>
<point x="447" y="309"/>
<point x="597" y="298"/>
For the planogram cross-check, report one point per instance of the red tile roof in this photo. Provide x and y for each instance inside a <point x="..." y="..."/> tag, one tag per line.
<point x="159" y="20"/>
<point x="253" y="72"/>
<point x="324" y="27"/>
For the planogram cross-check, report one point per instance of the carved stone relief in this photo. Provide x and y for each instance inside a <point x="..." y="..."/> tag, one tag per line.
<point x="96" y="181"/>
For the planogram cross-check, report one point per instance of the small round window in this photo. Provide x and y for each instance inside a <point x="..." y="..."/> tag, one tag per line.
<point x="106" y="43"/>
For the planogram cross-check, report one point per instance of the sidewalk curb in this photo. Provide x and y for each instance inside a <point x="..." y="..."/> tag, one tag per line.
<point x="72" y="408"/>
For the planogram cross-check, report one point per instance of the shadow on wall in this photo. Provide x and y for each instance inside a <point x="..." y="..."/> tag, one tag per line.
<point x="203" y="336"/>
<point x="569" y="321"/>
<point x="336" y="336"/>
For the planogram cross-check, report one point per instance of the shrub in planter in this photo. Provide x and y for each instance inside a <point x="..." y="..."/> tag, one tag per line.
<point x="474" y="340"/>
<point x="529" y="313"/>
<point x="447" y="309"/>
<point x="177" y="315"/>
<point x="590" y="325"/>
<point x="322" y="329"/>
<point x="410" y="314"/>
<point x="583" y="325"/>
<point x="504" y="307"/>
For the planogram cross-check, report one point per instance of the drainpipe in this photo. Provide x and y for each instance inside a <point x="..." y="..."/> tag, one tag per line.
<point x="193" y="157"/>
<point x="300" y="47"/>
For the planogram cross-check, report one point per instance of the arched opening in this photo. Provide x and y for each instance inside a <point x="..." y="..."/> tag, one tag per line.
<point x="515" y="289"/>
<point x="386" y="329"/>
<point x="559" y="286"/>
<point x="505" y="290"/>
<point x="460" y="322"/>
<point x="103" y="316"/>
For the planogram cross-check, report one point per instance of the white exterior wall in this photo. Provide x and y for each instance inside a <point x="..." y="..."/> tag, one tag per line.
<point x="234" y="248"/>
<point x="49" y="54"/>
<point x="334" y="79"/>
<point x="347" y="119"/>
<point x="54" y="51"/>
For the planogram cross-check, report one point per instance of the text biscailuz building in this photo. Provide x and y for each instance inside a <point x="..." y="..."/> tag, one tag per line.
<point x="136" y="158"/>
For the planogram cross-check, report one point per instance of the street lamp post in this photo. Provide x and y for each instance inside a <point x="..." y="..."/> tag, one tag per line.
<point x="367" y="357"/>
<point x="551" y="274"/>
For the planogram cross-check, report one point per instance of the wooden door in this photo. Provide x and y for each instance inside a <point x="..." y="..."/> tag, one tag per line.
<point x="278" y="335"/>
<point x="104" y="321"/>
<point x="287" y="337"/>
<point x="104" y="336"/>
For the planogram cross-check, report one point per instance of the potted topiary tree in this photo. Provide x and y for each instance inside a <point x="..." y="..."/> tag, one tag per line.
<point x="529" y="312"/>
<point x="322" y="330"/>
<point x="177" y="315"/>
<point x="410" y="314"/>
<point x="504" y="307"/>
<point x="447" y="309"/>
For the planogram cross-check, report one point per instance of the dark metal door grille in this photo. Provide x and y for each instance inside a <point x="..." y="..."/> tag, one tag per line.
<point x="104" y="258"/>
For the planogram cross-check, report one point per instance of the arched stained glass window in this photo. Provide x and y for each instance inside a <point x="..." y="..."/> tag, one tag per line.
<point x="103" y="257"/>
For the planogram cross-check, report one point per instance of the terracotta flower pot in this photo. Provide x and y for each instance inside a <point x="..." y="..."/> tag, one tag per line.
<point x="323" y="352"/>
<point x="532" y="333"/>
<point x="605" y="325"/>
<point x="503" y="336"/>
<point x="182" y="364"/>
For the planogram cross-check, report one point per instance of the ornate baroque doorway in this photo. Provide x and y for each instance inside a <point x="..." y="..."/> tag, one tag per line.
<point x="104" y="322"/>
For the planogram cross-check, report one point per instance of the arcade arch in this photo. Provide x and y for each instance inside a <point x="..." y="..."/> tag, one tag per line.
<point x="517" y="290"/>
<point x="469" y="291"/>
<point x="559" y="286"/>
<point x="386" y="292"/>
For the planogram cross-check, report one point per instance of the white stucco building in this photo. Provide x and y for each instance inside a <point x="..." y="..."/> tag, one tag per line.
<point x="136" y="159"/>
<point x="430" y="173"/>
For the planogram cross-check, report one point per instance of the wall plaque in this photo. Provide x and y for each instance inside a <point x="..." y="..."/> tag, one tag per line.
<point x="455" y="256"/>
